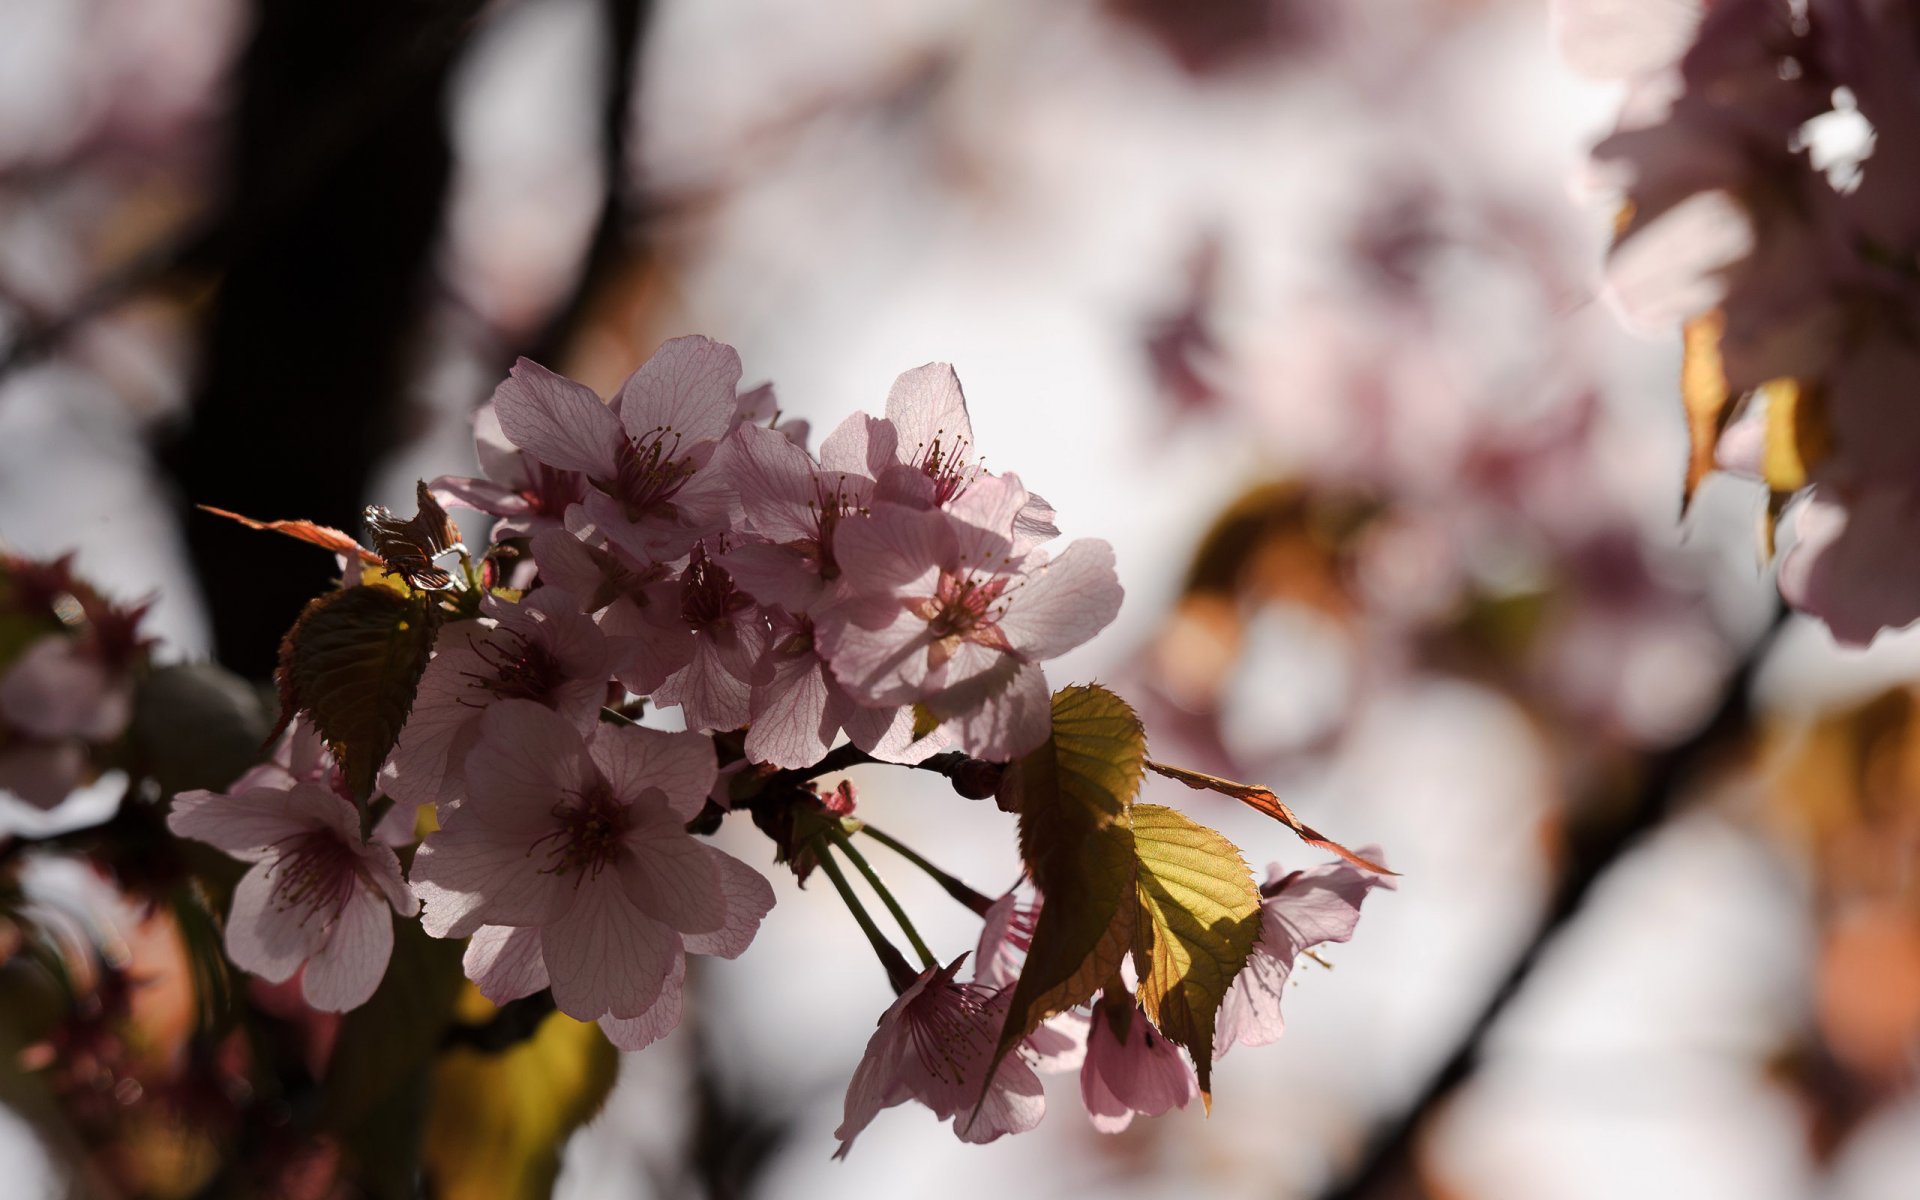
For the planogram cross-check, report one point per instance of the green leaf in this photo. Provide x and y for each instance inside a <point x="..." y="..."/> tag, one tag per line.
<point x="498" y="1122"/>
<point x="1072" y="795"/>
<point x="1198" y="918"/>
<point x="352" y="662"/>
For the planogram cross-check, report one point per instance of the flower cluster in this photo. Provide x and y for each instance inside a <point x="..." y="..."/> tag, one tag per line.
<point x="732" y="573"/>
<point x="889" y="600"/>
<point x="1766" y="158"/>
<point x="68" y="660"/>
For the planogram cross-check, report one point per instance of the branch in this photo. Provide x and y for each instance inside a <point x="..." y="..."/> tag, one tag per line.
<point x="1594" y="846"/>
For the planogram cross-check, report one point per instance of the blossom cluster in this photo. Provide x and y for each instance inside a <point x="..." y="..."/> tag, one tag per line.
<point x="678" y="546"/>
<point x="1766" y="156"/>
<point x="68" y="662"/>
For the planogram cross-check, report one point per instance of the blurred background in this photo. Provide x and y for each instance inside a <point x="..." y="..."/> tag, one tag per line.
<point x="1297" y="304"/>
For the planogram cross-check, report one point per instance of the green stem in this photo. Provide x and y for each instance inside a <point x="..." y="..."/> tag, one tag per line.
<point x="898" y="972"/>
<point x="859" y="860"/>
<point x="952" y="886"/>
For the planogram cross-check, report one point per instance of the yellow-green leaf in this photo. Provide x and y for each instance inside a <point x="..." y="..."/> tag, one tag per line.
<point x="1796" y="434"/>
<point x="1072" y="795"/>
<point x="1704" y="391"/>
<point x="1198" y="918"/>
<point x="352" y="662"/>
<point x="498" y="1122"/>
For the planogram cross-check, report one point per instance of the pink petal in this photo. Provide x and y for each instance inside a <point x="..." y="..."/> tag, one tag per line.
<point x="861" y="445"/>
<point x="1854" y="563"/>
<point x="926" y="404"/>
<point x="668" y="875"/>
<point x="526" y="758"/>
<point x="1062" y="603"/>
<point x="637" y="1033"/>
<point x="479" y="495"/>
<point x="1674" y="267"/>
<point x="264" y="937"/>
<point x="1144" y="1074"/>
<point x="1014" y="1104"/>
<point x="560" y="422"/>
<point x="884" y="665"/>
<point x="710" y="694"/>
<point x="382" y="868"/>
<point x="879" y="1080"/>
<point x="791" y="725"/>
<point x="983" y="521"/>
<point x="244" y="824"/>
<point x="427" y="764"/>
<point x="785" y="576"/>
<point x="681" y="766"/>
<point x="1619" y="39"/>
<point x="344" y="972"/>
<point x="469" y="874"/>
<point x="55" y="689"/>
<point x="687" y="387"/>
<point x="1033" y="525"/>
<point x="1000" y="715"/>
<point x="894" y="546"/>
<point x="647" y="637"/>
<point x="504" y="962"/>
<point x="775" y="482"/>
<point x="749" y="897"/>
<point x="606" y="957"/>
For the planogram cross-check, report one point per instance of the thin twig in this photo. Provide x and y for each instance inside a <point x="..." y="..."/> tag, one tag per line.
<point x="954" y="887"/>
<point x="881" y="890"/>
<point x="1593" y="851"/>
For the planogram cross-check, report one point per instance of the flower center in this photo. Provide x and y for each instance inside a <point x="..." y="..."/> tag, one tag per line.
<point x="519" y="669"/>
<point x="708" y="598"/>
<point x="950" y="1031"/>
<point x="830" y="504"/>
<point x="650" y="473"/>
<point x="551" y="491"/>
<point x="962" y="607"/>
<point x="945" y="461"/>
<point x="589" y="832"/>
<point x="315" y="874"/>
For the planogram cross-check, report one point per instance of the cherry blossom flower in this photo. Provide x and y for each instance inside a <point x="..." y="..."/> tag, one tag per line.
<point x="585" y="842"/>
<point x="543" y="649"/>
<point x="64" y="692"/>
<point x="933" y="440"/>
<point x="525" y="493"/>
<point x="937" y="610"/>
<point x="729" y="642"/>
<point x="792" y="506"/>
<point x="317" y="895"/>
<point x="637" y="605"/>
<point x="1297" y="912"/>
<point x="648" y="455"/>
<point x="935" y="1045"/>
<point x="1130" y="1068"/>
<point x="799" y="709"/>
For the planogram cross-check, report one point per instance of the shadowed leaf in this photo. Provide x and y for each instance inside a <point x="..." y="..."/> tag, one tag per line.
<point x="1198" y="917"/>
<point x="352" y="662"/>
<point x="410" y="546"/>
<point x="1072" y="795"/>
